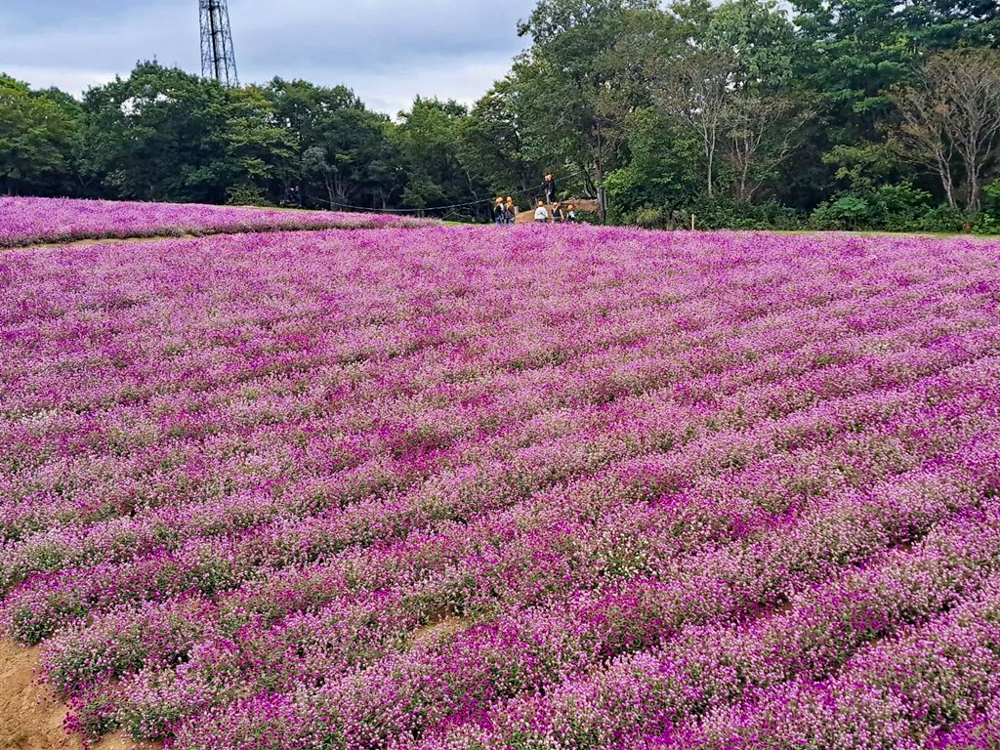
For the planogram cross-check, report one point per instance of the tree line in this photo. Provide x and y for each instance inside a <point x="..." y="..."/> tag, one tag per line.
<point x="867" y="114"/>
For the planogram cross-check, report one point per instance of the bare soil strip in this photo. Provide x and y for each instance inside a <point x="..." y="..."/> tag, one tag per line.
<point x="31" y="717"/>
<point x="208" y="232"/>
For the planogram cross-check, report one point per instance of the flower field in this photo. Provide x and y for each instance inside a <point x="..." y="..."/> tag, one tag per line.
<point x="469" y="488"/>
<point x="28" y="221"/>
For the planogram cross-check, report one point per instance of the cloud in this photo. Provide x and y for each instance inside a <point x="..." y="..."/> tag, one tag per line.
<point x="74" y="81"/>
<point x="386" y="50"/>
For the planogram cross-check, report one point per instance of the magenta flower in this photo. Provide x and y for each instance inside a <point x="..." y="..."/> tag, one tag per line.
<point x="546" y="488"/>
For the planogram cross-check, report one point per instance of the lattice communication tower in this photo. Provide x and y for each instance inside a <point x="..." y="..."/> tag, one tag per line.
<point x="218" y="60"/>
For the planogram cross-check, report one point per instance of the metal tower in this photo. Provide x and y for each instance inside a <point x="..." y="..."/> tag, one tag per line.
<point x="218" y="60"/>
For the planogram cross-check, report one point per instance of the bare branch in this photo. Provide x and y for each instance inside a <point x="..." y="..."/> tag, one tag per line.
<point x="695" y="90"/>
<point x="951" y="119"/>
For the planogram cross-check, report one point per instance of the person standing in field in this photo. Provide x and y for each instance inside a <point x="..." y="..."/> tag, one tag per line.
<point x="510" y="210"/>
<point x="499" y="212"/>
<point x="550" y="188"/>
<point x="541" y="213"/>
<point x="558" y="216"/>
<point x="571" y="213"/>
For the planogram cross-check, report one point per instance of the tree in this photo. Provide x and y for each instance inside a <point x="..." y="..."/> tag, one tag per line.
<point x="163" y="134"/>
<point x="429" y="136"/>
<point x="695" y="90"/>
<point x="948" y="24"/>
<point x="39" y="131"/>
<point x="662" y="169"/>
<point x="731" y="85"/>
<point x="260" y="156"/>
<point x="855" y="51"/>
<point x="493" y="145"/>
<point x="154" y="135"/>
<point x="581" y="50"/>
<point x="952" y="113"/>
<point x="344" y="149"/>
<point x="760" y="132"/>
<point x="555" y="21"/>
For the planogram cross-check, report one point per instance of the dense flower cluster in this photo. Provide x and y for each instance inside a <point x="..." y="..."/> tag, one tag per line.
<point x="460" y="489"/>
<point x="27" y="221"/>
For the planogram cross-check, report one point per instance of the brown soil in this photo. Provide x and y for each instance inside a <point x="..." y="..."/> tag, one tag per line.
<point x="85" y="241"/>
<point x="31" y="718"/>
<point x="586" y="206"/>
<point x="92" y="241"/>
<point x="439" y="627"/>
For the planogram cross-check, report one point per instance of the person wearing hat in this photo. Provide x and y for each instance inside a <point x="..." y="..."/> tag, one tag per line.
<point x="510" y="210"/>
<point x="571" y="213"/>
<point x="541" y="213"/>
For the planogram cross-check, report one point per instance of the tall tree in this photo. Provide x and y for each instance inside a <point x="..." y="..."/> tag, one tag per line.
<point x="260" y="155"/>
<point x="952" y="113"/>
<point x="494" y="144"/>
<point x="663" y="167"/>
<point x="580" y="51"/>
<point x="695" y="90"/>
<point x="39" y="131"/>
<point x="765" y="111"/>
<point x="163" y="134"/>
<point x="730" y="83"/>
<point x="429" y="135"/>
<point x="948" y="24"/>
<point x="344" y="148"/>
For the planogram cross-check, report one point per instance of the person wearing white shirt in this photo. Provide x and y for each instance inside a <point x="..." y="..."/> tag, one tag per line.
<point x="541" y="213"/>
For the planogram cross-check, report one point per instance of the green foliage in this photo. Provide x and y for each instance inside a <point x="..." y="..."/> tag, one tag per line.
<point x="246" y="195"/>
<point x="761" y="38"/>
<point x="428" y="137"/>
<point x="38" y="133"/>
<point x="846" y="212"/>
<point x="651" y="218"/>
<point x="584" y="75"/>
<point x="718" y="213"/>
<point x="729" y="213"/>
<point x="992" y="192"/>
<point x="865" y="164"/>
<point x="989" y="223"/>
<point x="663" y="168"/>
<point x="163" y="134"/>
<point x="491" y="146"/>
<point x="891" y="208"/>
<point x="613" y="96"/>
<point x="345" y="154"/>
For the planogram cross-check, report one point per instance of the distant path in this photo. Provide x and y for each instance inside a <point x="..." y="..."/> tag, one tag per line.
<point x="47" y="244"/>
<point x="585" y="206"/>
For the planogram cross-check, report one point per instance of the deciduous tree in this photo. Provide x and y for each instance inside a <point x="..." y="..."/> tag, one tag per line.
<point x="951" y="118"/>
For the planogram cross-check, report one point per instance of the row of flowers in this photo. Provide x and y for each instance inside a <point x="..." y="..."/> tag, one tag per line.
<point x="448" y="488"/>
<point x="28" y="221"/>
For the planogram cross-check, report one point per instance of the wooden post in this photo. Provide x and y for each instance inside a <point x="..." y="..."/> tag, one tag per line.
<point x="692" y="222"/>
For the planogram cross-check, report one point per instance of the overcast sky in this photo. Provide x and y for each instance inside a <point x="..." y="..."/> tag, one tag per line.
<point x="388" y="51"/>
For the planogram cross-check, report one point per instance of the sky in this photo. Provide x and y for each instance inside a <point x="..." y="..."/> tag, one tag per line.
<point x="388" y="51"/>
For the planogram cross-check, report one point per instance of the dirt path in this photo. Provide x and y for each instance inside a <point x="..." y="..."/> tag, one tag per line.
<point x="583" y="206"/>
<point x="229" y="232"/>
<point x="31" y="718"/>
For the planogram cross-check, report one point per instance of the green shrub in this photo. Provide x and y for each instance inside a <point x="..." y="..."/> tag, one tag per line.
<point x="651" y="218"/>
<point x="246" y="195"/>
<point x="991" y="195"/>
<point x="899" y="207"/>
<point x="726" y="213"/>
<point x="846" y="212"/>
<point x="891" y="208"/>
<point x="946" y="220"/>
